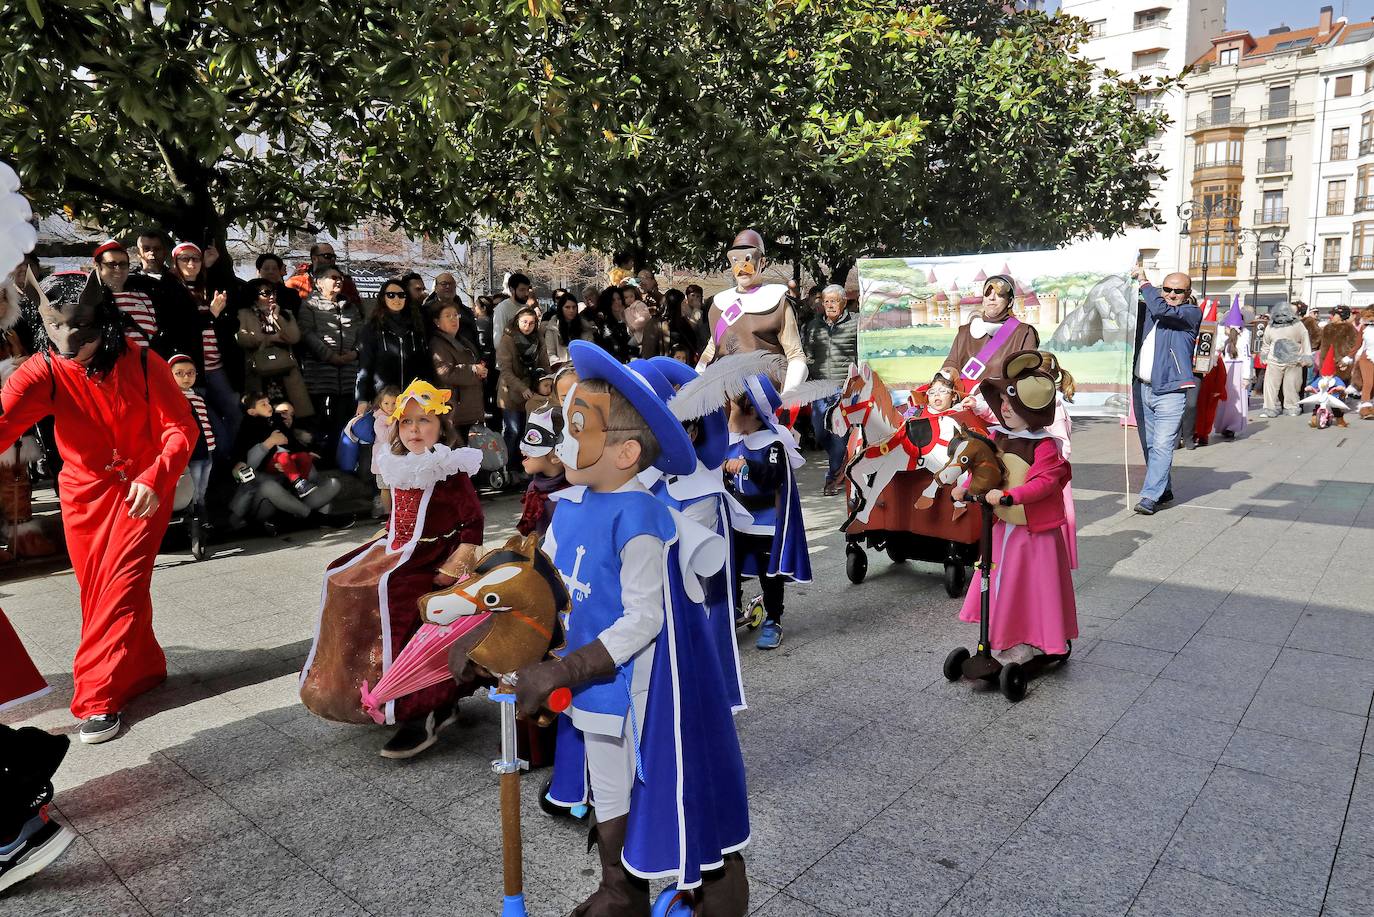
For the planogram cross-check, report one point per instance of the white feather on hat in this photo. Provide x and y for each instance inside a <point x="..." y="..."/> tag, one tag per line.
<point x="17" y="235"/>
<point x="722" y="381"/>
<point x="812" y="390"/>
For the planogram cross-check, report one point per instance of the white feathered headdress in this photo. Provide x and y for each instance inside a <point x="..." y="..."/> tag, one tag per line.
<point x="17" y="235"/>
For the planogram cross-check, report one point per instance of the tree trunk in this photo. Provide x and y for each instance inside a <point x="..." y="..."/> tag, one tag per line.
<point x="839" y="271"/>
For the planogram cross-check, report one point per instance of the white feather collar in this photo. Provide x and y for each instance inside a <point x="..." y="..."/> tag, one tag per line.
<point x="978" y="328"/>
<point x="416" y="472"/>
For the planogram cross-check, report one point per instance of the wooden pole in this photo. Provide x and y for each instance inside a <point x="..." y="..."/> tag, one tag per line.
<point x="511" y="852"/>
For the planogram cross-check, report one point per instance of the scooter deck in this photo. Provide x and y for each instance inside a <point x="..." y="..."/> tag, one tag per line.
<point x="979" y="667"/>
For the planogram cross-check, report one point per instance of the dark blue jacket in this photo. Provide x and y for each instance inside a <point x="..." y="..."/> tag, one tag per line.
<point x="1175" y="336"/>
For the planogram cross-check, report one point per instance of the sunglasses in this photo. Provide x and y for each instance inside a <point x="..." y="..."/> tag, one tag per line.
<point x="1181" y="290"/>
<point x="392" y="294"/>
<point x="189" y="259"/>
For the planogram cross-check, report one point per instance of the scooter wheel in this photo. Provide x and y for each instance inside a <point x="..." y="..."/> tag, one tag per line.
<point x="672" y="903"/>
<point x="498" y="479"/>
<point x="855" y="563"/>
<point x="954" y="663"/>
<point x="756" y="613"/>
<point x="1013" y="682"/>
<point x="895" y="553"/>
<point x="956" y="580"/>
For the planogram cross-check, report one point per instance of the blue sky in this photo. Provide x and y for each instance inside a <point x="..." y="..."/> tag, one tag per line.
<point x="1259" y="16"/>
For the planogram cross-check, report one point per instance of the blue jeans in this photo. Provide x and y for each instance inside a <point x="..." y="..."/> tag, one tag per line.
<point x="225" y="405"/>
<point x="832" y="444"/>
<point x="1161" y="417"/>
<point x="199" y="470"/>
<point x="513" y="428"/>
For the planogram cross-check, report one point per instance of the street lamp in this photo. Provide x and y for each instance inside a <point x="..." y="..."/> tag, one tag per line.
<point x="1211" y="207"/>
<point x="1259" y="237"/>
<point x="1293" y="253"/>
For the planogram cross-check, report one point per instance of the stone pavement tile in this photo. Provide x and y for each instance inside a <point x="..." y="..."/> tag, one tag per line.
<point x="1323" y="766"/>
<point x="981" y="898"/>
<point x="303" y="726"/>
<point x="317" y="833"/>
<point x="1359" y="819"/>
<point x="1134" y="819"/>
<point x="1017" y="790"/>
<point x="857" y="878"/>
<point x="213" y="876"/>
<point x="1220" y="704"/>
<point x="1036" y="742"/>
<point x="1270" y="802"/>
<point x="784" y="905"/>
<point x="1045" y="864"/>
<point x="165" y="833"/>
<point x="304" y="893"/>
<point x="1130" y="764"/>
<point x="1322" y="679"/>
<point x="1277" y="864"/>
<point x="1167" y="636"/>
<point x="77" y="884"/>
<point x="1081" y="694"/>
<point x="1222" y="663"/>
<point x="815" y="727"/>
<point x="432" y="869"/>
<point x="760" y="892"/>
<point x="895" y="753"/>
<point x="286" y="788"/>
<point x="1128" y="658"/>
<point x="784" y="845"/>
<point x="1351" y="881"/>
<point x="1166" y="729"/>
<point x="1170" y="892"/>
<point x="125" y="794"/>
<point x="918" y="825"/>
<point x="1257" y="620"/>
<point x="1301" y="721"/>
<point x="1335" y="630"/>
<point x="229" y="752"/>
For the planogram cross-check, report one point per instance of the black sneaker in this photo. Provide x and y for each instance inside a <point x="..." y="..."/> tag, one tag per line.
<point x="1166" y="497"/>
<point x="303" y="488"/>
<point x="337" y="521"/>
<point x="414" y="736"/>
<point x="100" y="728"/>
<point x="40" y="842"/>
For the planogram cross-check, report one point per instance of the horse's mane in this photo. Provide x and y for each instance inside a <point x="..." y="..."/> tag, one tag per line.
<point x="541" y="563"/>
<point x="882" y="402"/>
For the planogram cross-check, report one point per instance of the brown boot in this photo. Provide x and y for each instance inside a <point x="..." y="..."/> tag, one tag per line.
<point x="724" y="892"/>
<point x="1340" y="421"/>
<point x="620" y="893"/>
<point x="1313" y="422"/>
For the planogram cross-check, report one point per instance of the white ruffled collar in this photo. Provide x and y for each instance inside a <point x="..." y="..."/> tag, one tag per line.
<point x="416" y="472"/>
<point x="979" y="328"/>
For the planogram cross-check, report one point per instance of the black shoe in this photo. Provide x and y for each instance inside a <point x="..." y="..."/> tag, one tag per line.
<point x="303" y="488"/>
<point x="100" y="728"/>
<point x="1166" y="497"/>
<point x="269" y="528"/>
<point x="415" y="736"/>
<point x="1228" y="434"/>
<point x="337" y="521"/>
<point x="40" y="842"/>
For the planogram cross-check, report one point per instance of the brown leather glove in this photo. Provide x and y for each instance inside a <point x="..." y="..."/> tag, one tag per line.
<point x="464" y="669"/>
<point x="534" y="683"/>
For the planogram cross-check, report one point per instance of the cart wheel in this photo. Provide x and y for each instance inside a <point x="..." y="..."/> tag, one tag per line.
<point x="1013" y="682"/>
<point x="672" y="903"/>
<point x="498" y="479"/>
<point x="895" y="553"/>
<point x="954" y="663"/>
<point x="756" y="613"/>
<point x="1068" y="649"/>
<point x="855" y="563"/>
<point x="956" y="579"/>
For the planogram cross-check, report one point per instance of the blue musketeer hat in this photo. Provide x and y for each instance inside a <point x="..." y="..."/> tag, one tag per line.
<point x="714" y="439"/>
<point x="765" y="399"/>
<point x="676" y="455"/>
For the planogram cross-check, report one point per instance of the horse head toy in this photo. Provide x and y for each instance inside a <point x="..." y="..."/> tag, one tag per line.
<point x="976" y="455"/>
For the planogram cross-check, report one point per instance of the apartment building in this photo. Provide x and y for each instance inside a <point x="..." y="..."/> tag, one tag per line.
<point x="1154" y="38"/>
<point x="1281" y="148"/>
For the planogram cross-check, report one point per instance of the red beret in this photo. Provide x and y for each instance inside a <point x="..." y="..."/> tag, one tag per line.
<point x="110" y="246"/>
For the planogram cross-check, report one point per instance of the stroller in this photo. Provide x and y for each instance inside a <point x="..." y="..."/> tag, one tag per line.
<point x="494" y="474"/>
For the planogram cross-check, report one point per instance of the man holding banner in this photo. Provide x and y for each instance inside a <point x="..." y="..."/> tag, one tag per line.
<point x="1163" y="374"/>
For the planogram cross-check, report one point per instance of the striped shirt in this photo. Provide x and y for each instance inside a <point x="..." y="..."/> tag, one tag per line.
<point x="202" y="413"/>
<point x="138" y="307"/>
<point x="209" y="344"/>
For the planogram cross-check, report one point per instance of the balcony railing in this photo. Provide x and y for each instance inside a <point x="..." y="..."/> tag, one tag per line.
<point x="1220" y="117"/>
<point x="1143" y="24"/>
<point x="1269" y="266"/>
<point x="1331" y="266"/>
<point x="1275" y="164"/>
<point x="1272" y="216"/>
<point x="1335" y="208"/>
<point x="1214" y="268"/>
<point x="1278" y="111"/>
<point x="1218" y="164"/>
<point x="1367" y="146"/>
<point x="1362" y="262"/>
<point x="1364" y="204"/>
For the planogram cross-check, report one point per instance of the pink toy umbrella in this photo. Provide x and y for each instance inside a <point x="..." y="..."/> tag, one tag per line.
<point x="423" y="662"/>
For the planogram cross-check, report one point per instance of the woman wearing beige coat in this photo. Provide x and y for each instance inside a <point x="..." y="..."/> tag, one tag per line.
<point x="267" y="334"/>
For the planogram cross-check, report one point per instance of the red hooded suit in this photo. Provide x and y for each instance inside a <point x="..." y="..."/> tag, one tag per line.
<point x="133" y="425"/>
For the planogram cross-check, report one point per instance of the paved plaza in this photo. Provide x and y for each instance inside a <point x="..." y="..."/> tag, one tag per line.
<point x="1200" y="755"/>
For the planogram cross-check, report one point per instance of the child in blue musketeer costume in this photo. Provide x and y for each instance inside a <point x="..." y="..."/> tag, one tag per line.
<point x="652" y="743"/>
<point x="701" y="496"/>
<point x="760" y="473"/>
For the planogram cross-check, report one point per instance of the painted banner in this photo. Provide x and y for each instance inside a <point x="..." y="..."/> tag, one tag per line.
<point x="1080" y="299"/>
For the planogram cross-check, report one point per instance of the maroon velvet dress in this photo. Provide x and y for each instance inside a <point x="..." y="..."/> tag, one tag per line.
<point x="371" y="603"/>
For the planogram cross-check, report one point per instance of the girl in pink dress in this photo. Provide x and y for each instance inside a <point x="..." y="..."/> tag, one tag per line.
<point x="1032" y="608"/>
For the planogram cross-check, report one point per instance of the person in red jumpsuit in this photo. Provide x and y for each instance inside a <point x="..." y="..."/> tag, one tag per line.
<point x="125" y="433"/>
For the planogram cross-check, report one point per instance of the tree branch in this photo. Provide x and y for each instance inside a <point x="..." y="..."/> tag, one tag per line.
<point x="134" y="203"/>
